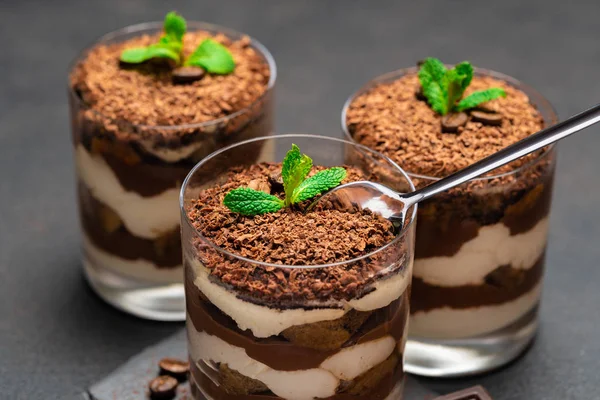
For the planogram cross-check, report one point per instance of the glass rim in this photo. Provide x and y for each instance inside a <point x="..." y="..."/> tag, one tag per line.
<point x="195" y="25"/>
<point x="480" y="71"/>
<point x="219" y="249"/>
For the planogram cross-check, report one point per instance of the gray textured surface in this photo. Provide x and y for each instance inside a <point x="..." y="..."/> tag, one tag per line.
<point x="56" y="337"/>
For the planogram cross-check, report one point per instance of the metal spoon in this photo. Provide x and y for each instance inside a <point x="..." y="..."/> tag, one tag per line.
<point x="394" y="206"/>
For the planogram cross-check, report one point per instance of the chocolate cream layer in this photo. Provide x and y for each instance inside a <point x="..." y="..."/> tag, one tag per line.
<point x="279" y="353"/>
<point x="501" y="285"/>
<point x="105" y="229"/>
<point x="446" y="223"/>
<point x="208" y="382"/>
<point x="140" y="168"/>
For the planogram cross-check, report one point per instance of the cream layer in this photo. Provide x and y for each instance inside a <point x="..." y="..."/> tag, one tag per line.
<point x="144" y="217"/>
<point x="140" y="269"/>
<point x="493" y="247"/>
<point x="293" y="385"/>
<point x="450" y="323"/>
<point x="265" y="321"/>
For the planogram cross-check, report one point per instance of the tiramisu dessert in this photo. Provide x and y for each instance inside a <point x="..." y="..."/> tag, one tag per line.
<point x="285" y="302"/>
<point x="147" y="103"/>
<point x="480" y="247"/>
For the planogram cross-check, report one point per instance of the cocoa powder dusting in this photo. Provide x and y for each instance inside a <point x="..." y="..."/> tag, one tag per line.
<point x="391" y="119"/>
<point x="290" y="237"/>
<point x="145" y="94"/>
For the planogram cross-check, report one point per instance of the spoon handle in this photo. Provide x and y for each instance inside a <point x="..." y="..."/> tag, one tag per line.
<point x="511" y="153"/>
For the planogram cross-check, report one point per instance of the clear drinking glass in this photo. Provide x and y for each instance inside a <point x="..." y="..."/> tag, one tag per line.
<point x="240" y="345"/>
<point x="479" y="260"/>
<point x="128" y="181"/>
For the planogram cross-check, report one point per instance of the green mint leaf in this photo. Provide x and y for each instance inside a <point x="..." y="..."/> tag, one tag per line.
<point x="318" y="183"/>
<point x="174" y="26"/>
<point x="465" y="72"/>
<point x="436" y="97"/>
<point x="295" y="168"/>
<point x="248" y="201"/>
<point x="135" y="56"/>
<point x="140" y="54"/>
<point x="213" y="57"/>
<point x="432" y="70"/>
<point x="456" y="81"/>
<point x="479" y="97"/>
<point x="431" y="74"/>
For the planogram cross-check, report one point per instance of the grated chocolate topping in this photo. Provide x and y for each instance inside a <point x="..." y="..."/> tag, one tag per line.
<point x="291" y="237"/>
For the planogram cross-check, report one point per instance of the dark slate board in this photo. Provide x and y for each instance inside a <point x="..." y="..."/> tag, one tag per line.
<point x="129" y="381"/>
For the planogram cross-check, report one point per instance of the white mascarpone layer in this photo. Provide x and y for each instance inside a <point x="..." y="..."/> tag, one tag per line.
<point x="293" y="385"/>
<point x="140" y="269"/>
<point x="144" y="217"/>
<point x="172" y="155"/>
<point x="493" y="247"/>
<point x="450" y="323"/>
<point x="264" y="321"/>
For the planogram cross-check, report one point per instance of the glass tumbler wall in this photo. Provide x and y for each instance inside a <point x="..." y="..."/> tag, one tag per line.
<point x="128" y="181"/>
<point x="479" y="260"/>
<point x="243" y="345"/>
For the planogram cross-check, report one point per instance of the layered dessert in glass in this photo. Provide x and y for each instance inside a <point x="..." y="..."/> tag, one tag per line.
<point x="137" y="131"/>
<point x="294" y="303"/>
<point x="480" y="247"/>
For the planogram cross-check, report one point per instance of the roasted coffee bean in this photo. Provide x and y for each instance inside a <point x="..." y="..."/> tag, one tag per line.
<point x="163" y="387"/>
<point x="276" y="182"/>
<point x="451" y="122"/>
<point x="420" y="95"/>
<point x="178" y="369"/>
<point x="260" y="185"/>
<point x="189" y="74"/>
<point x="487" y="118"/>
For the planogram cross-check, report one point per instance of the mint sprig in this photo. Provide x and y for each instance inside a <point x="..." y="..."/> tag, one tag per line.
<point x="444" y="87"/>
<point x="298" y="188"/>
<point x="168" y="46"/>
<point x="213" y="57"/>
<point x="248" y="201"/>
<point x="210" y="55"/>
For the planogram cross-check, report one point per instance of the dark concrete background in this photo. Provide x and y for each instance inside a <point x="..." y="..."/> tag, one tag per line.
<point x="57" y="337"/>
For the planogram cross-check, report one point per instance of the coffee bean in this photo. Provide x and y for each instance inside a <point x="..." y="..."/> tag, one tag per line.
<point x="184" y="75"/>
<point x="276" y="182"/>
<point x="163" y="387"/>
<point x="487" y="118"/>
<point x="178" y="369"/>
<point x="420" y="95"/>
<point x="451" y="122"/>
<point x="260" y="185"/>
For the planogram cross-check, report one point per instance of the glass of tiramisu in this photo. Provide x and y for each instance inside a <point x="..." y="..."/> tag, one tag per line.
<point x="290" y="302"/>
<point x="147" y="103"/>
<point x="480" y="247"/>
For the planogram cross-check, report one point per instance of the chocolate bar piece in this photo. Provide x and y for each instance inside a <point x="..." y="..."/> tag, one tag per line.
<point x="474" y="393"/>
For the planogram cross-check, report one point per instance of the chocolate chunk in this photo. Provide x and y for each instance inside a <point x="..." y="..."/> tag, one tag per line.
<point x="260" y="185"/>
<point x="163" y="387"/>
<point x="178" y="369"/>
<point x="474" y="393"/>
<point x="487" y="118"/>
<point x="188" y="74"/>
<point x="276" y="182"/>
<point x="451" y="122"/>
